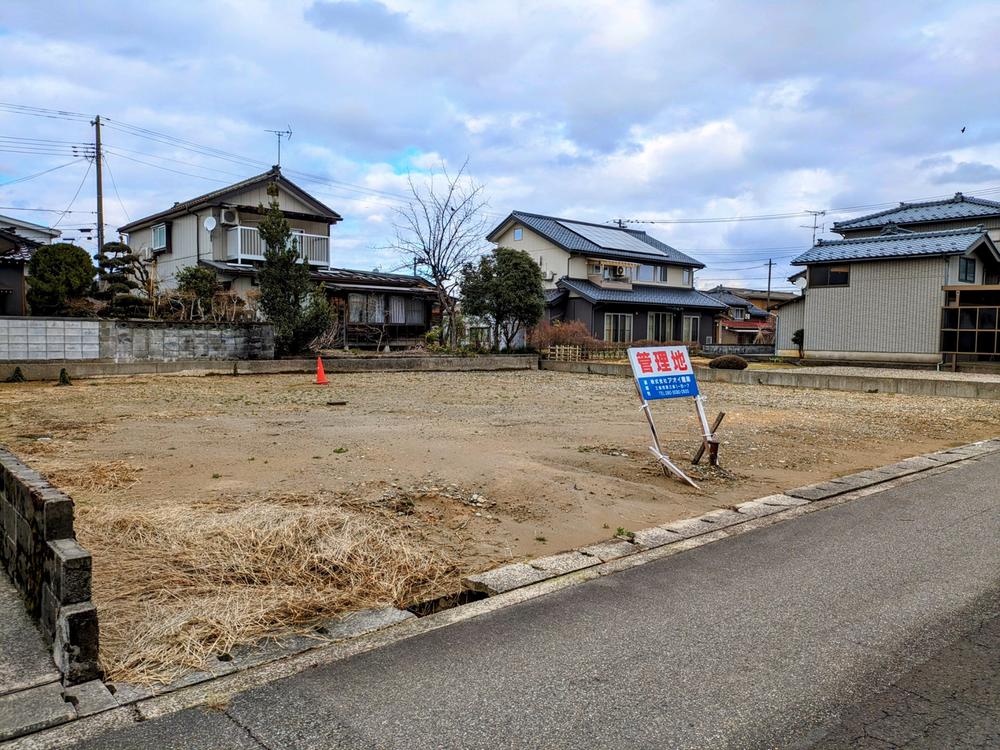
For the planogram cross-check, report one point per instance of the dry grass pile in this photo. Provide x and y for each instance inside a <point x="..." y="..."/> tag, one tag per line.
<point x="98" y="476"/>
<point x="175" y="585"/>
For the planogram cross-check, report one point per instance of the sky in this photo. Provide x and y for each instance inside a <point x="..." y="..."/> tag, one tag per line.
<point x="673" y="112"/>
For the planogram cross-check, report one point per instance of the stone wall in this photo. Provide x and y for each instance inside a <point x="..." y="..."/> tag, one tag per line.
<point x="121" y="341"/>
<point x="52" y="571"/>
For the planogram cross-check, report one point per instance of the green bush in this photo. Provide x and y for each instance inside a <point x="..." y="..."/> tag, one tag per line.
<point x="728" y="362"/>
<point x="57" y="275"/>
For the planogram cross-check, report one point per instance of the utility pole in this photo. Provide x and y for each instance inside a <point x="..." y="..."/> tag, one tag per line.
<point x="98" y="161"/>
<point x="770" y="264"/>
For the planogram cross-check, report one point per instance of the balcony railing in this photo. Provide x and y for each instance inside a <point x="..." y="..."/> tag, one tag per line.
<point x="245" y="243"/>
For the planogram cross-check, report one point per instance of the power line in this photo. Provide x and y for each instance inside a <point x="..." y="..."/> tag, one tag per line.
<point x="77" y="193"/>
<point x="115" y="186"/>
<point x="33" y="176"/>
<point x="46" y="210"/>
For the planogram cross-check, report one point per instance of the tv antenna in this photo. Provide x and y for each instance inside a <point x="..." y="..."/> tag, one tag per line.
<point x="815" y="225"/>
<point x="287" y="134"/>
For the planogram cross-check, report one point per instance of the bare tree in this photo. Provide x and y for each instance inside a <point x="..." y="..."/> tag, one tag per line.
<point x="441" y="230"/>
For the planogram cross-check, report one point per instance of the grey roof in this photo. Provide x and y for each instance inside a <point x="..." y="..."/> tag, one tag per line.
<point x="732" y="300"/>
<point x="271" y="175"/>
<point x="339" y="277"/>
<point x="552" y="229"/>
<point x="15" y="224"/>
<point x="553" y="295"/>
<point x="739" y="291"/>
<point x="641" y="295"/>
<point x="898" y="245"/>
<point x="951" y="209"/>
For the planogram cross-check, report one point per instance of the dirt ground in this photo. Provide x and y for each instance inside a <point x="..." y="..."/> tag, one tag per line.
<point x="176" y="478"/>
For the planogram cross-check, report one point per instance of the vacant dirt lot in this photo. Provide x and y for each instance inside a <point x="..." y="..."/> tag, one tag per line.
<point x="219" y="508"/>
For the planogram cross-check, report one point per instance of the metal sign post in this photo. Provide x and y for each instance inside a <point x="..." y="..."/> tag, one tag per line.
<point x="666" y="372"/>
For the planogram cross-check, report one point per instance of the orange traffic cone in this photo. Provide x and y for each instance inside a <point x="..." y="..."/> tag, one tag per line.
<point x="320" y="375"/>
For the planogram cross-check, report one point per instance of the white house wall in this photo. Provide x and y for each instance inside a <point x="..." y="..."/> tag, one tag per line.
<point x="551" y="258"/>
<point x="791" y="317"/>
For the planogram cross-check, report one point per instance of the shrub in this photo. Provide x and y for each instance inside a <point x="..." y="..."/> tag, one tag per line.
<point x="58" y="274"/>
<point x="728" y="362"/>
<point x="571" y="333"/>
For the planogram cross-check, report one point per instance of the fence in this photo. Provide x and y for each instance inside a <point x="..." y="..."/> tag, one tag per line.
<point x="714" y="350"/>
<point x="577" y="353"/>
<point x="42" y="339"/>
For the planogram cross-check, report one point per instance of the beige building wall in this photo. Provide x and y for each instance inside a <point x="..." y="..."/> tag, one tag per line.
<point x="791" y="317"/>
<point x="551" y="258"/>
<point x="890" y="310"/>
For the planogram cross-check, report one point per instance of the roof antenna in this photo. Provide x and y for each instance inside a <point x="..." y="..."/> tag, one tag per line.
<point x="281" y="134"/>
<point x="815" y="225"/>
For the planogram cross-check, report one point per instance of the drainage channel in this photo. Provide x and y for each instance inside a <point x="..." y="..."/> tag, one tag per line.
<point x="448" y="601"/>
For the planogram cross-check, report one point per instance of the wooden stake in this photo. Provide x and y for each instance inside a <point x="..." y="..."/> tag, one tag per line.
<point x="713" y="453"/>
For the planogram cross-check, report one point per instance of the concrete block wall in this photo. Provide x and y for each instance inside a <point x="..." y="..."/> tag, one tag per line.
<point x="52" y="571"/>
<point x="68" y="339"/>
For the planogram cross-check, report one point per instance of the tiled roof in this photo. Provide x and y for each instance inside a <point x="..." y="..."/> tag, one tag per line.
<point x="641" y="295"/>
<point x="553" y="295"/>
<point x="22" y="249"/>
<point x="551" y="228"/>
<point x="731" y="300"/>
<point x="899" y="245"/>
<point x="776" y="296"/>
<point x="950" y="209"/>
<point x="271" y="175"/>
<point x="337" y="276"/>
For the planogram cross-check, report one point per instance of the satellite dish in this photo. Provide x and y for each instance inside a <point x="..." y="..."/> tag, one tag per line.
<point x="210" y="223"/>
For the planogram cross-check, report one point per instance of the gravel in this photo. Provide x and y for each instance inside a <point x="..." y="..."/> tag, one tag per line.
<point x="895" y="372"/>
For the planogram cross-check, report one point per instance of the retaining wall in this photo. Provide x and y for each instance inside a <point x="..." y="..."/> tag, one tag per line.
<point x="50" y="370"/>
<point x="77" y="340"/>
<point x="47" y="565"/>
<point x="715" y="350"/>
<point x="793" y="379"/>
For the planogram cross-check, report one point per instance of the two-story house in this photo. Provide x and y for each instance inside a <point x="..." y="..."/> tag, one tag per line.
<point x="18" y="242"/>
<point x="919" y="283"/>
<point x="621" y="283"/>
<point x="742" y="323"/>
<point x="219" y="230"/>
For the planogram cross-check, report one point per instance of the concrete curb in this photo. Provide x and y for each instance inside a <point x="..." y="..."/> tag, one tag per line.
<point x="49" y="370"/>
<point x="791" y="379"/>
<point x="520" y="574"/>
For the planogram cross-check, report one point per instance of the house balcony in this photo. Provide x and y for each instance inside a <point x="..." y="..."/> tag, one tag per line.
<point x="245" y="244"/>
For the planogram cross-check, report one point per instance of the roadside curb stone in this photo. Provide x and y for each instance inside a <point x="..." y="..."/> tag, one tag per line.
<point x="689" y="527"/>
<point x="565" y="562"/>
<point x="784" y="500"/>
<point x="507" y="578"/>
<point x="757" y="509"/>
<point x="610" y="550"/>
<point x="33" y="710"/>
<point x="90" y="698"/>
<point x="657" y="536"/>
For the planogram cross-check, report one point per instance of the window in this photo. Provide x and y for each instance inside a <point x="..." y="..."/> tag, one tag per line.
<point x="661" y="326"/>
<point x="518" y="234"/>
<point x="651" y="273"/>
<point x="967" y="270"/>
<point x="415" y="312"/>
<point x="687" y="277"/>
<point x="355" y="308"/>
<point x="366" y="308"/>
<point x="692" y="327"/>
<point x="397" y="310"/>
<point x="829" y="275"/>
<point x="159" y="237"/>
<point x="618" y="327"/>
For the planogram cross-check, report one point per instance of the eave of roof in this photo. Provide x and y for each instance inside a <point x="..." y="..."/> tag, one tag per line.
<point x="12" y="222"/>
<point x="950" y="209"/>
<point x="271" y="175"/>
<point x="641" y="295"/>
<point x="550" y="228"/>
<point x="898" y="246"/>
<point x="340" y="277"/>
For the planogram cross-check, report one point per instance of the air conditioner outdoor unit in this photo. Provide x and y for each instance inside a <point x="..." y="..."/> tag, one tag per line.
<point x="549" y="275"/>
<point x="708" y="340"/>
<point x="229" y="217"/>
<point x="146" y="253"/>
<point x="619" y="270"/>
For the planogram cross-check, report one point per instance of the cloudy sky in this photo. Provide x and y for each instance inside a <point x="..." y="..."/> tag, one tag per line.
<point x="589" y="109"/>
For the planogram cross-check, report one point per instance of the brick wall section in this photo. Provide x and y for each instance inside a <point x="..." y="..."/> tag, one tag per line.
<point x="50" y="339"/>
<point x="47" y="565"/>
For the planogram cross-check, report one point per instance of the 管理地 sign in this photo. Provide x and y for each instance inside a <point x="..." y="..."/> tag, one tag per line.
<point x="663" y="372"/>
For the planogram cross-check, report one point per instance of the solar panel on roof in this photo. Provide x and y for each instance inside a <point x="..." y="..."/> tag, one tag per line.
<point x="612" y="239"/>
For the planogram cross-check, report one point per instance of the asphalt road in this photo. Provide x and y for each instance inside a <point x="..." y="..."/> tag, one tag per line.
<point x="791" y="636"/>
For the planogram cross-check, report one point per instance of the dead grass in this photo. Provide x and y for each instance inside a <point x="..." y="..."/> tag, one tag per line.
<point x="98" y="476"/>
<point x="177" y="584"/>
